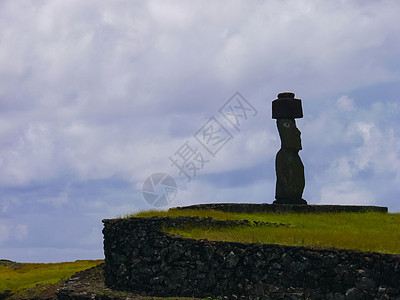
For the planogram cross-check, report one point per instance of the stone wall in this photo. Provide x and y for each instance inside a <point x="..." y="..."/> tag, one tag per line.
<point x="284" y="208"/>
<point x="140" y="258"/>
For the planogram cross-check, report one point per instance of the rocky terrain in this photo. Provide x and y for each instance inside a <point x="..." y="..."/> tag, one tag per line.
<point x="89" y="284"/>
<point x="143" y="259"/>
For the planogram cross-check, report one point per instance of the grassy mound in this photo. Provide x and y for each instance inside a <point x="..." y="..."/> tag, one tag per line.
<point x="371" y="232"/>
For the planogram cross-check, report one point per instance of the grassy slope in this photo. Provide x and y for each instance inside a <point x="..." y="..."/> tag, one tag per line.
<point x="31" y="278"/>
<point x="374" y="232"/>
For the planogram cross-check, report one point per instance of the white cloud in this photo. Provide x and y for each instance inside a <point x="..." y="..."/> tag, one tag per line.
<point x="9" y="203"/>
<point x="366" y="152"/>
<point x="9" y="233"/>
<point x="380" y="151"/>
<point x="345" y="103"/>
<point x="21" y="231"/>
<point x="198" y="191"/>
<point x="92" y="238"/>
<point x="347" y="193"/>
<point x="31" y="157"/>
<point x="4" y="233"/>
<point x="57" y="201"/>
<point x="93" y="90"/>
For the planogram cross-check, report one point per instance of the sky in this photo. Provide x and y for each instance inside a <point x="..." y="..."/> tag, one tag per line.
<point x="107" y="105"/>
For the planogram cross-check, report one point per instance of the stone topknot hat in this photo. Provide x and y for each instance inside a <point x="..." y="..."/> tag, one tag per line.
<point x="286" y="107"/>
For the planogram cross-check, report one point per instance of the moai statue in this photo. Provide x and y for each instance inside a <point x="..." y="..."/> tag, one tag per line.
<point x="289" y="167"/>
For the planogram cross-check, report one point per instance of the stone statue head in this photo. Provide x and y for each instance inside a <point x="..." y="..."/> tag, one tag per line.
<point x="289" y="134"/>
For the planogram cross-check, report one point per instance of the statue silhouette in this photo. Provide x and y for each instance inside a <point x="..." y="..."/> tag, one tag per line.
<point x="289" y="168"/>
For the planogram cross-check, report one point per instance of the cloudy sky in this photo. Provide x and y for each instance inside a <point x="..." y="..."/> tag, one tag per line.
<point x="96" y="96"/>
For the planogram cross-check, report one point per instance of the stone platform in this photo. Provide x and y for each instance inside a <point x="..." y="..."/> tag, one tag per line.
<point x="140" y="257"/>
<point x="284" y="208"/>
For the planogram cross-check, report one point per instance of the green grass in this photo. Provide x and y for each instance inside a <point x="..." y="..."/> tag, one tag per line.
<point x="19" y="278"/>
<point x="40" y="281"/>
<point x="371" y="232"/>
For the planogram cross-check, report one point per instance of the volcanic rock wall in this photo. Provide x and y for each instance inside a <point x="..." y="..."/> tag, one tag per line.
<point x="283" y="208"/>
<point x="141" y="258"/>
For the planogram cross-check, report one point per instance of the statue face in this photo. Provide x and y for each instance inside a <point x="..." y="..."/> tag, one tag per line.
<point x="289" y="133"/>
